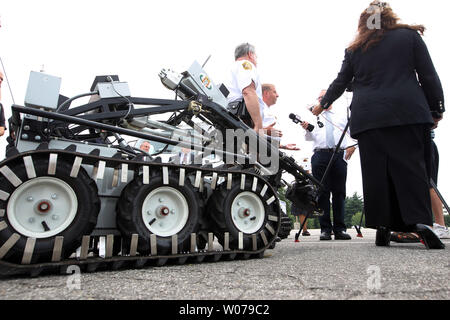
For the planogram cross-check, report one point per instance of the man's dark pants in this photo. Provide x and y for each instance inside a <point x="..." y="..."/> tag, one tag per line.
<point x="334" y="184"/>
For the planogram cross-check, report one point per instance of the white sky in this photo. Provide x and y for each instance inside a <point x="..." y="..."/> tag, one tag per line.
<point x="300" y="47"/>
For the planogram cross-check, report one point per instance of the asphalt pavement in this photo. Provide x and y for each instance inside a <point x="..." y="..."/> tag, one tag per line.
<point x="309" y="270"/>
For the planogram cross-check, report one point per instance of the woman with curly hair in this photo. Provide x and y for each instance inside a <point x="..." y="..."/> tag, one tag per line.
<point x="397" y="98"/>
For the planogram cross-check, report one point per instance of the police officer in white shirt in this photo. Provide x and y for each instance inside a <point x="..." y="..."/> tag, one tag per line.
<point x="270" y="97"/>
<point x="270" y="121"/>
<point x="325" y="138"/>
<point x="245" y="83"/>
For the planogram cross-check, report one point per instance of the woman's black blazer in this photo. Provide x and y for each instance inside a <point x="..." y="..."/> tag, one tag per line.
<point x="394" y="83"/>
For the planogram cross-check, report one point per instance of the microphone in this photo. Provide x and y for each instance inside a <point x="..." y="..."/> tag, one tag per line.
<point x="296" y="119"/>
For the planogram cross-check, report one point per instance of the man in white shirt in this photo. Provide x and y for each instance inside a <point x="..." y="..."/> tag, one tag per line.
<point x="325" y="139"/>
<point x="186" y="156"/>
<point x="270" y="97"/>
<point x="245" y="83"/>
<point x="270" y="121"/>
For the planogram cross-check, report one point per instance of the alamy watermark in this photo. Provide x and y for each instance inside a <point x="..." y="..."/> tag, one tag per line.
<point x="374" y="280"/>
<point x="74" y="279"/>
<point x="374" y="21"/>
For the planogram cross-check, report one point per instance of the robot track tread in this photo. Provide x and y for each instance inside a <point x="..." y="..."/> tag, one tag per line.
<point x="89" y="260"/>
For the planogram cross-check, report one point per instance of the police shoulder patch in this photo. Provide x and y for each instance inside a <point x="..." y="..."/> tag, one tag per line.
<point x="247" y="65"/>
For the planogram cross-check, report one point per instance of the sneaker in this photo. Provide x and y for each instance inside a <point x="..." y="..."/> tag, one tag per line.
<point x="441" y="231"/>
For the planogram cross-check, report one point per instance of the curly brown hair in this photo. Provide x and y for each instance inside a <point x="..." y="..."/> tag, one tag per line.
<point x="385" y="19"/>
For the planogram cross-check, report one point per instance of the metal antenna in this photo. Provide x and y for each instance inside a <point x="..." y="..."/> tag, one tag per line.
<point x="206" y="61"/>
<point x="7" y="81"/>
<point x="6" y="76"/>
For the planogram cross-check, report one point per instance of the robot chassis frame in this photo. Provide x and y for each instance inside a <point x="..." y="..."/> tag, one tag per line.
<point x="210" y="192"/>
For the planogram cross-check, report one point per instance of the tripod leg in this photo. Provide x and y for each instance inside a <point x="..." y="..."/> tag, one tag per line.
<point x="358" y="228"/>
<point x="433" y="184"/>
<point x="333" y="156"/>
<point x="297" y="235"/>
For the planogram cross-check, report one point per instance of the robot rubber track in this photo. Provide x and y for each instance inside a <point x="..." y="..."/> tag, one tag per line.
<point x="25" y="261"/>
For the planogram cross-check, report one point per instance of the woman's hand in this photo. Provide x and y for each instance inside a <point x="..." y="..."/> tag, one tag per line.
<point x="349" y="152"/>
<point x="436" y="121"/>
<point x="317" y="110"/>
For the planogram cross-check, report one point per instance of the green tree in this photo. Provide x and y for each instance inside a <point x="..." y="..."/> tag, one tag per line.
<point x="447" y="220"/>
<point x="356" y="219"/>
<point x="353" y="205"/>
<point x="313" y="223"/>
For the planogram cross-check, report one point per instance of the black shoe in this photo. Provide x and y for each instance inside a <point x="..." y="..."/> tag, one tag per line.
<point x="383" y="237"/>
<point x="341" y="235"/>
<point x="430" y="239"/>
<point x="325" y="236"/>
<point x="277" y="239"/>
<point x="306" y="233"/>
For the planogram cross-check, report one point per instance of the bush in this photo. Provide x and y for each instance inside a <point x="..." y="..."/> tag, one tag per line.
<point x="356" y="220"/>
<point x="353" y="205"/>
<point x="447" y="220"/>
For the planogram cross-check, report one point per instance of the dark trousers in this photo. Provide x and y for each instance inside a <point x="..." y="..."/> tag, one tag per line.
<point x="334" y="184"/>
<point x="434" y="166"/>
<point x="395" y="166"/>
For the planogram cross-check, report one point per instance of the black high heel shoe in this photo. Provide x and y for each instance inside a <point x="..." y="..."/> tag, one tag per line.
<point x="383" y="237"/>
<point x="430" y="239"/>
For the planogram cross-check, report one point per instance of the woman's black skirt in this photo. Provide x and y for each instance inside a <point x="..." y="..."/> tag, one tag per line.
<point x="395" y="164"/>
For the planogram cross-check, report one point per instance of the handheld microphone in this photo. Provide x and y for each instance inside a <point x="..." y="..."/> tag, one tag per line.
<point x="296" y="119"/>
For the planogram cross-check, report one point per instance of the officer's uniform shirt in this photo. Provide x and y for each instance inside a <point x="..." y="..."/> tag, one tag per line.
<point x="336" y="120"/>
<point x="268" y="117"/>
<point x="243" y="74"/>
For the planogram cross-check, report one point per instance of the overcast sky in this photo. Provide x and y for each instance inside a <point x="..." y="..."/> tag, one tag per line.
<point x="300" y="47"/>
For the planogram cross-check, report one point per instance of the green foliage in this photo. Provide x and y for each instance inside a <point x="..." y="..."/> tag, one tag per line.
<point x="356" y="220"/>
<point x="447" y="220"/>
<point x="313" y="223"/>
<point x="353" y="206"/>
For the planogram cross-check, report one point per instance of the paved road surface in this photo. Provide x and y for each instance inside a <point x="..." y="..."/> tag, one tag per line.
<point x="312" y="269"/>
